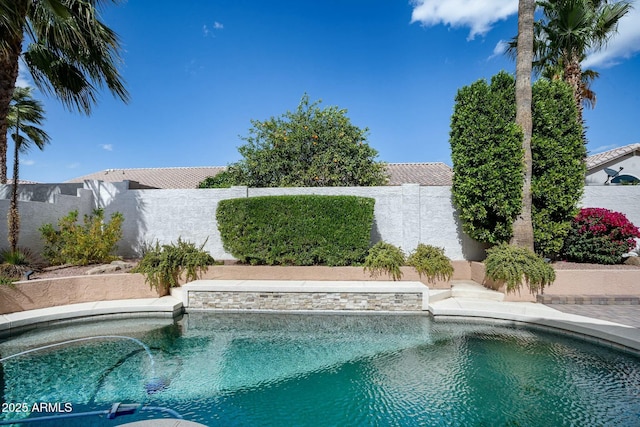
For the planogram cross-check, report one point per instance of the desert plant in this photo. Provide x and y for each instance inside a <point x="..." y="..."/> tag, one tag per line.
<point x="82" y="244"/>
<point x="164" y="265"/>
<point x="600" y="236"/>
<point x="15" y="263"/>
<point x="384" y="258"/>
<point x="431" y="262"/>
<point x="510" y="265"/>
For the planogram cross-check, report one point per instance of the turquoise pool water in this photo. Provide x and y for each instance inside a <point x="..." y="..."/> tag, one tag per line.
<point x="325" y="370"/>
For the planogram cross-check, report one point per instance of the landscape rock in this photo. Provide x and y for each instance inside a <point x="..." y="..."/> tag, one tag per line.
<point x="110" y="268"/>
<point x="633" y="260"/>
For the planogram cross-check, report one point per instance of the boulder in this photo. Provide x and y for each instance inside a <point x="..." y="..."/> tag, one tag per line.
<point x="633" y="260"/>
<point x="110" y="268"/>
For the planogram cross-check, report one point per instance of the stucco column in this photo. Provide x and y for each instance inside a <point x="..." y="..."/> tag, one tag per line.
<point x="410" y="217"/>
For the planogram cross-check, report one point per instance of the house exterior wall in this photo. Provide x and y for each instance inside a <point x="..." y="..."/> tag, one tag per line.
<point x="630" y="164"/>
<point x="403" y="215"/>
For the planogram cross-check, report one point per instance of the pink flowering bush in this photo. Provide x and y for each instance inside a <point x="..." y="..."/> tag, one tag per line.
<point x="600" y="236"/>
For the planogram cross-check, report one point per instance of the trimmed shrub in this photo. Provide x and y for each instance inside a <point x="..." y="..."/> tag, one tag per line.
<point x="486" y="150"/>
<point x="600" y="236"/>
<point x="297" y="230"/>
<point x="384" y="258"/>
<point x="431" y="262"/>
<point x="487" y="155"/>
<point x="559" y="167"/>
<point x="163" y="265"/>
<point x="82" y="244"/>
<point x="510" y="265"/>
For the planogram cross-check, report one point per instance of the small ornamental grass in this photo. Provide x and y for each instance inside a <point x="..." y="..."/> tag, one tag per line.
<point x="14" y="264"/>
<point x="164" y="265"/>
<point x="384" y="258"/>
<point x="510" y="265"/>
<point x="431" y="262"/>
<point x="600" y="236"/>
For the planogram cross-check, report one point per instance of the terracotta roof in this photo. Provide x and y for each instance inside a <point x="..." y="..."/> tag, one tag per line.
<point x="420" y="173"/>
<point x="190" y="177"/>
<point x="602" y="158"/>
<point x="21" y="181"/>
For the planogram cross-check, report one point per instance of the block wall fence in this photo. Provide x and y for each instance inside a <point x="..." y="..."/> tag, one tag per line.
<point x="404" y="215"/>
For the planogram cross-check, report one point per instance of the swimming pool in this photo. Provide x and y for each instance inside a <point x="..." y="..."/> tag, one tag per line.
<point x="313" y="370"/>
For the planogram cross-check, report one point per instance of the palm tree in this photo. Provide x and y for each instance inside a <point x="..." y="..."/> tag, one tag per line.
<point x="71" y="54"/>
<point x="568" y="31"/>
<point x="25" y="115"/>
<point x="523" y="225"/>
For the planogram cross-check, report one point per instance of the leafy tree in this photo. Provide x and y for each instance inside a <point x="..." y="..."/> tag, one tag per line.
<point x="310" y="147"/>
<point x="70" y="54"/>
<point x="523" y="225"/>
<point x="486" y="151"/>
<point x="567" y="31"/>
<point x="25" y="115"/>
<point x="487" y="161"/>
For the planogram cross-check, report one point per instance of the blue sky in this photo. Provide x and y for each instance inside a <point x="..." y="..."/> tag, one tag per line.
<point x="199" y="70"/>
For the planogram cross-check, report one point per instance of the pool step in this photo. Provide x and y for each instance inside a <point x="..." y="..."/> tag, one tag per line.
<point x="471" y="289"/>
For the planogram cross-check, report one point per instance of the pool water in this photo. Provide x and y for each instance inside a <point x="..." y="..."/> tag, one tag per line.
<point x="325" y="370"/>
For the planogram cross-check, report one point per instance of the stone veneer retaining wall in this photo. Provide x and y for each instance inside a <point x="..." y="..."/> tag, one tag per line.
<point x="305" y="301"/>
<point x="305" y="295"/>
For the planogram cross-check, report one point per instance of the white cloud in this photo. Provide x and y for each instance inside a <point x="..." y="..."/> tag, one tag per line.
<point x="500" y="48"/>
<point x="73" y="165"/>
<point x="24" y="79"/>
<point x="27" y="162"/>
<point x="207" y="31"/>
<point x="107" y="147"/>
<point x="478" y="15"/>
<point x="623" y="45"/>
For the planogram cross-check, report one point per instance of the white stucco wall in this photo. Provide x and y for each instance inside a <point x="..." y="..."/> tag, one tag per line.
<point x="404" y="215"/>
<point x="630" y="165"/>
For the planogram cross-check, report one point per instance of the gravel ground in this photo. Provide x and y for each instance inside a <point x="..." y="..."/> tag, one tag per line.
<point x="66" y="271"/>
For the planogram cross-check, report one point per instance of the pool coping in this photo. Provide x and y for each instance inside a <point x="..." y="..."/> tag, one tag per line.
<point x="441" y="305"/>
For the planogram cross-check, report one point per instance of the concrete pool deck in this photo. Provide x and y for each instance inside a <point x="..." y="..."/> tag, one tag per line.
<point x="464" y="300"/>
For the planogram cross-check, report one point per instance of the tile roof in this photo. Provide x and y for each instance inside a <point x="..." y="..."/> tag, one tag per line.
<point x="420" y="173"/>
<point x="187" y="177"/>
<point x="437" y="174"/>
<point x="602" y="158"/>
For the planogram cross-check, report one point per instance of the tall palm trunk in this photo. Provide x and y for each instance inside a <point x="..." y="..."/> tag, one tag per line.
<point x="523" y="225"/>
<point x="8" y="77"/>
<point x="573" y="76"/>
<point x="9" y="58"/>
<point x="14" y="216"/>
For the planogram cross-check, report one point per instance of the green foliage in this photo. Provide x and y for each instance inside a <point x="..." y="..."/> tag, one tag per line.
<point x="296" y="230"/>
<point x="310" y="147"/>
<point x="94" y="241"/>
<point x="163" y="266"/>
<point x="509" y="265"/>
<point x="600" y="236"/>
<point x="487" y="161"/>
<point x="14" y="264"/>
<point x="559" y="168"/>
<point x="384" y="258"/>
<point x="486" y="151"/>
<point x="224" y="179"/>
<point x="431" y="262"/>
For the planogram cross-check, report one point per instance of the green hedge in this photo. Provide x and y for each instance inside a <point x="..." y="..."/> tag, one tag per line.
<point x="297" y="230"/>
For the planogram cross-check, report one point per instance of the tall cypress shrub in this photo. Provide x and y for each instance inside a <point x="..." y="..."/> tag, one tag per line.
<point x="486" y="150"/>
<point x="558" y="164"/>
<point x="487" y="161"/>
